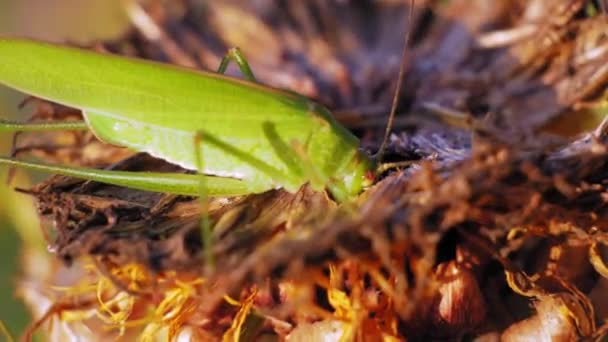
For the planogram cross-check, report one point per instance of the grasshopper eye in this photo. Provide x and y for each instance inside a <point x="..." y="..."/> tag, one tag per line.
<point x="368" y="179"/>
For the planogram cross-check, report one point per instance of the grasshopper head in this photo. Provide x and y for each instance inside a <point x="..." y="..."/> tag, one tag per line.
<point x="354" y="178"/>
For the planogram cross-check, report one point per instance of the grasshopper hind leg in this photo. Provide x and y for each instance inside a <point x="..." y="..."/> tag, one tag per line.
<point x="11" y="126"/>
<point x="17" y="128"/>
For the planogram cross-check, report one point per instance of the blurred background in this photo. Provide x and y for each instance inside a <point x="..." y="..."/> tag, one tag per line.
<point x="75" y="21"/>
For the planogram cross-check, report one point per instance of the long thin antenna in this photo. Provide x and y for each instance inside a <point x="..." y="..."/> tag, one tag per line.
<point x="391" y="118"/>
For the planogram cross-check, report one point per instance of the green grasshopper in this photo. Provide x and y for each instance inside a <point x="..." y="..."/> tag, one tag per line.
<point x="284" y="139"/>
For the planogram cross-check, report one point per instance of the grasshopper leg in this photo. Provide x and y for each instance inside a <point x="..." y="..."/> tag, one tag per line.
<point x="275" y="174"/>
<point x="235" y="55"/>
<point x="174" y="183"/>
<point x="16" y="128"/>
<point x="10" y="126"/>
<point x="272" y="172"/>
<point x="205" y="224"/>
<point x="283" y="150"/>
<point x="295" y="157"/>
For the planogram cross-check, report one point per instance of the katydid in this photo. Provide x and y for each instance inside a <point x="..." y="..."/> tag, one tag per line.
<point x="253" y="138"/>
